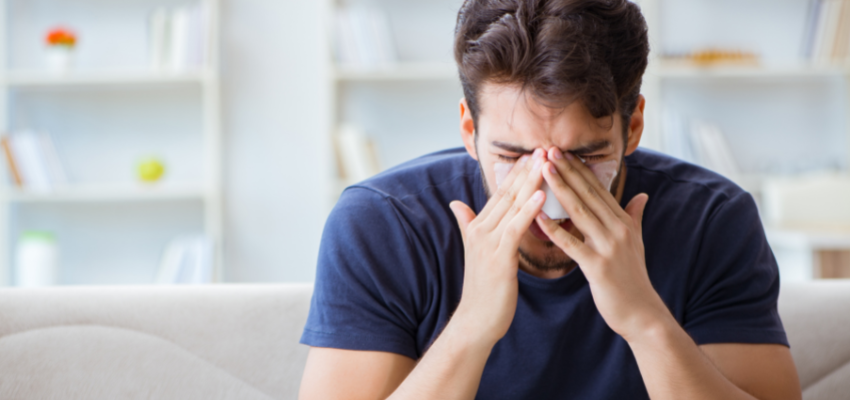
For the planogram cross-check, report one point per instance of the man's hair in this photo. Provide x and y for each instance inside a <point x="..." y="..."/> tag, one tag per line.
<point x="560" y="51"/>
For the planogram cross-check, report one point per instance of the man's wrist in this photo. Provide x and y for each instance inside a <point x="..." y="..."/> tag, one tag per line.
<point x="470" y="334"/>
<point x="655" y="332"/>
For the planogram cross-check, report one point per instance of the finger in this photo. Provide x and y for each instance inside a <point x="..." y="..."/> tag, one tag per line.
<point x="636" y="207"/>
<point x="464" y="216"/>
<point x="497" y="195"/>
<point x="532" y="184"/>
<point x="571" y="245"/>
<point x="520" y="223"/>
<point x="585" y="184"/>
<point x="509" y="195"/>
<point x="583" y="218"/>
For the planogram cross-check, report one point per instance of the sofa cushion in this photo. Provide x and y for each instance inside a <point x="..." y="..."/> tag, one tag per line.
<point x="98" y="362"/>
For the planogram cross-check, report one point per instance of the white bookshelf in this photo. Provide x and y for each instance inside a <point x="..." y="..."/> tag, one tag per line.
<point x="35" y="79"/>
<point x="403" y="72"/>
<point x="160" y="211"/>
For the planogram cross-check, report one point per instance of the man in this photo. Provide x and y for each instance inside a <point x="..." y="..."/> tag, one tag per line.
<point x="440" y="280"/>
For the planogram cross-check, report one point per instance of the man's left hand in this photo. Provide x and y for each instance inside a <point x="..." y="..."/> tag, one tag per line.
<point x="612" y="253"/>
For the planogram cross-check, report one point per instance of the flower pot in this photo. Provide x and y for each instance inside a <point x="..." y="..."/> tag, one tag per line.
<point x="59" y="58"/>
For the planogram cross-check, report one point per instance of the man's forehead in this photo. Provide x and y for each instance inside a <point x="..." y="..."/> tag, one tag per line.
<point x="510" y="114"/>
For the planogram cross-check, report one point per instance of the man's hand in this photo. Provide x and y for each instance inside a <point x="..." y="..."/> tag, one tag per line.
<point x="612" y="253"/>
<point x="491" y="243"/>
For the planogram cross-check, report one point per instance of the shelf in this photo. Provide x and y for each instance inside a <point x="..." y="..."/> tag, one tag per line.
<point x="677" y="70"/>
<point x="36" y="79"/>
<point x="399" y="72"/>
<point x="106" y="193"/>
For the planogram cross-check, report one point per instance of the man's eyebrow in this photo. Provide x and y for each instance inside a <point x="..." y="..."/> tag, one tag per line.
<point x="512" y="148"/>
<point x="592" y="147"/>
<point x="586" y="149"/>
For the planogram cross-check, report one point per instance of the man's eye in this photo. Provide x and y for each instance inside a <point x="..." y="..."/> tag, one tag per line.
<point x="506" y="158"/>
<point x="592" y="158"/>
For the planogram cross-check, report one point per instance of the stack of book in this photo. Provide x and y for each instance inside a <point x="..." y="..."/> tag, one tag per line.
<point x="827" y="36"/>
<point x="179" y="38"/>
<point x="363" y="38"/>
<point x="699" y="142"/>
<point x="33" y="161"/>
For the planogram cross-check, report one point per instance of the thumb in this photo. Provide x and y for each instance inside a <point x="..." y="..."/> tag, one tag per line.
<point x="463" y="214"/>
<point x="636" y="207"/>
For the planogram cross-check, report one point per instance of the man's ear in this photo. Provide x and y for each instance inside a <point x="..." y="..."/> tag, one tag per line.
<point x="636" y="126"/>
<point x="467" y="129"/>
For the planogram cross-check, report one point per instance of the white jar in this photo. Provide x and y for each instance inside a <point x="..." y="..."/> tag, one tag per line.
<point x="59" y="58"/>
<point x="37" y="261"/>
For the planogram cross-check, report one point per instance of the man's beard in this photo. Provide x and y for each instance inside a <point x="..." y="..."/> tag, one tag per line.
<point x="546" y="264"/>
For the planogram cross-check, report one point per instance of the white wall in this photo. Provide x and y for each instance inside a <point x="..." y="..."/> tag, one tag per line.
<point x="274" y="65"/>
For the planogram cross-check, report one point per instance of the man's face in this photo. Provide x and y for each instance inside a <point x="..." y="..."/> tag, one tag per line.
<point x="512" y="123"/>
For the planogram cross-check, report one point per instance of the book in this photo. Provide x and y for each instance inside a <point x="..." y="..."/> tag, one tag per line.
<point x="713" y="150"/>
<point x="357" y="155"/>
<point x="178" y="38"/>
<point x="187" y="260"/>
<point x="34" y="162"/>
<point x="363" y="37"/>
<point x="11" y="163"/>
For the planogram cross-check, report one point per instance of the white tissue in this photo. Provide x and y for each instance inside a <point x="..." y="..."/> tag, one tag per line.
<point x="605" y="172"/>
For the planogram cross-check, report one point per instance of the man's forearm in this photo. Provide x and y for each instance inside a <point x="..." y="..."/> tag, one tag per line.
<point x="673" y="366"/>
<point x="451" y="369"/>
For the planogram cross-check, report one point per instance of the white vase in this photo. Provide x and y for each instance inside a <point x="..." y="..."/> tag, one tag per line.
<point x="59" y="58"/>
<point x="37" y="260"/>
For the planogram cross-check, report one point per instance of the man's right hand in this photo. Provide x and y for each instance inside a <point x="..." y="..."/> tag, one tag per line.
<point x="491" y="243"/>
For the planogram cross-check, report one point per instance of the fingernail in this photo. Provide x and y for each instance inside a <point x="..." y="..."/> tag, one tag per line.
<point x="537" y="164"/>
<point x="552" y="169"/>
<point x="543" y="216"/>
<point x="538" y="153"/>
<point x="558" y="154"/>
<point x="569" y="156"/>
<point x="538" y="197"/>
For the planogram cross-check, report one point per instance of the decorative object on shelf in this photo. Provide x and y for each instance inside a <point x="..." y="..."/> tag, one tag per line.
<point x="151" y="169"/>
<point x="715" y="57"/>
<point x="179" y="38"/>
<point x="33" y="161"/>
<point x="59" y="53"/>
<point x="37" y="261"/>
<point x="363" y="37"/>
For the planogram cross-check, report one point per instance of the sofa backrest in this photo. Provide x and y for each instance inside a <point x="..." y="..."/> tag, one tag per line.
<point x="241" y="342"/>
<point x="215" y="342"/>
<point x="816" y="316"/>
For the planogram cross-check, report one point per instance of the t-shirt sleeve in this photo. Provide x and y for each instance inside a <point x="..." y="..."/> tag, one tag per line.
<point x="735" y="283"/>
<point x="367" y="292"/>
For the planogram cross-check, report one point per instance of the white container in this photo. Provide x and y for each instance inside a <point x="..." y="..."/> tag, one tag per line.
<point x="37" y="261"/>
<point x="59" y="58"/>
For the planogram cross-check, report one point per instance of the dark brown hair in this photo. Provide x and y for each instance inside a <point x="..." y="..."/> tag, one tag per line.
<point x="561" y="51"/>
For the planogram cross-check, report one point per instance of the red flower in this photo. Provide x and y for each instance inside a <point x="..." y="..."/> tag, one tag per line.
<point x="61" y="37"/>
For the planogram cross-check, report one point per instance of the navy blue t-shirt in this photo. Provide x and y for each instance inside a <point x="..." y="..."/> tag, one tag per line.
<point x="390" y="274"/>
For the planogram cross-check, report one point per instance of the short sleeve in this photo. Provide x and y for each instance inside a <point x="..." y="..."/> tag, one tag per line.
<point x="734" y="286"/>
<point x="367" y="294"/>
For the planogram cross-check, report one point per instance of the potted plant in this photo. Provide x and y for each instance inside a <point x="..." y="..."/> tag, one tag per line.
<point x="60" y="49"/>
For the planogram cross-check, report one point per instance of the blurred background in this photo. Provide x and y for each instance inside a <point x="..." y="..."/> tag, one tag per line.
<point x="160" y="141"/>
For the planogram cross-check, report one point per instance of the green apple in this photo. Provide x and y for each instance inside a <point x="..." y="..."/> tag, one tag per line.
<point x="151" y="170"/>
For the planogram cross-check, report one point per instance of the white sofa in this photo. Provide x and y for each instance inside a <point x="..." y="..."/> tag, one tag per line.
<point x="241" y="342"/>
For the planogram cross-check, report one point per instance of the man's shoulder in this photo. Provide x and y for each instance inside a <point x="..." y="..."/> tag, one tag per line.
<point x="671" y="178"/>
<point x="450" y="172"/>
